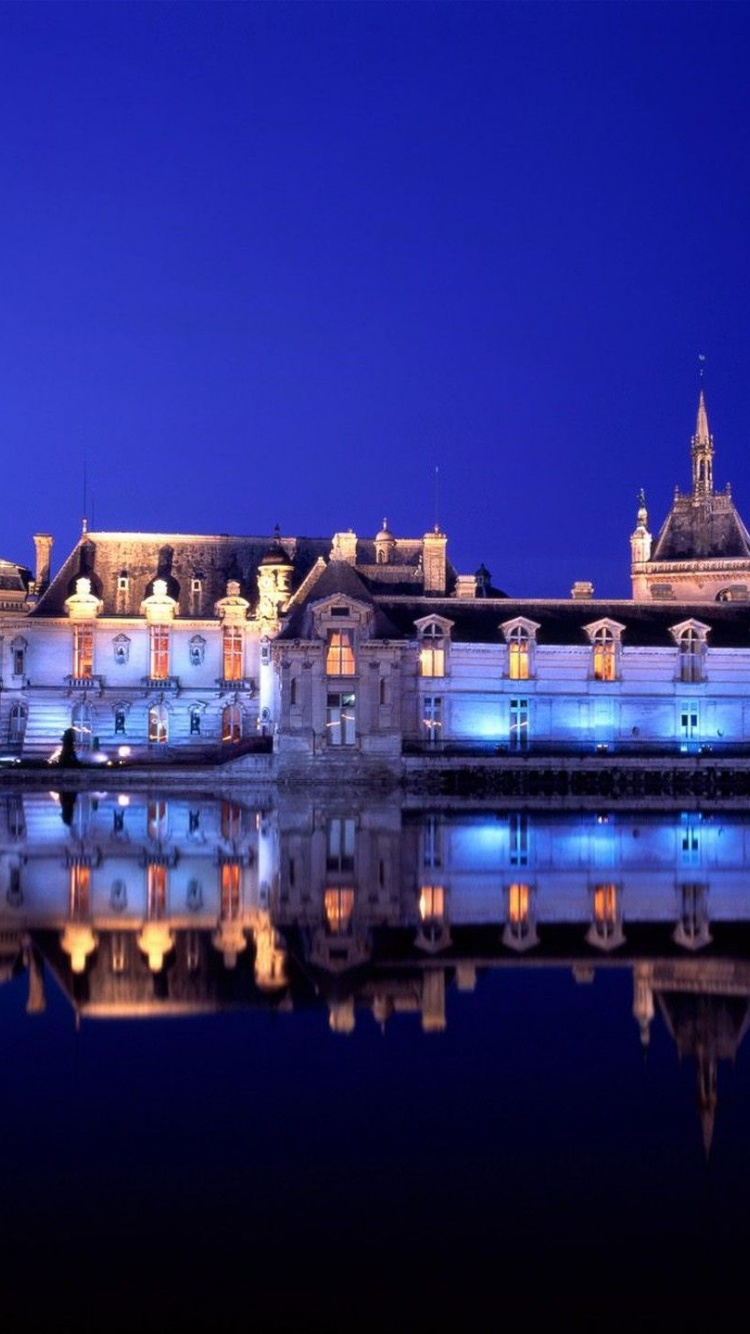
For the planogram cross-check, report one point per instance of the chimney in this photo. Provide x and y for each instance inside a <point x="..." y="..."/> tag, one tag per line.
<point x="582" y="590"/>
<point x="43" y="543"/>
<point x="433" y="561"/>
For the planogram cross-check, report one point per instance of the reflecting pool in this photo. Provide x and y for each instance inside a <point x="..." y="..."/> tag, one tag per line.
<point x="291" y="1060"/>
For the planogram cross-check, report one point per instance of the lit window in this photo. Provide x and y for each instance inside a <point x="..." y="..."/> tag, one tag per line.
<point x="83" y="651"/>
<point x="519" y="724"/>
<point x="691" y="652"/>
<point x="156" y="890"/>
<point x="80" y="889"/>
<point x="605" y="908"/>
<point x="432" y="903"/>
<point x="432" y="718"/>
<point x="340" y="653"/>
<point x="82" y="724"/>
<point x="231" y="723"/>
<point x="232" y="653"/>
<point x="518" y="904"/>
<point x="605" y="655"/>
<point x="519" y="654"/>
<point x="432" y="651"/>
<point x="157" y="724"/>
<point x="157" y="818"/>
<point x="159" y="652"/>
<point x="338" y="905"/>
<point x="518" y="831"/>
<point x="340" y="720"/>
<point x="230" y="890"/>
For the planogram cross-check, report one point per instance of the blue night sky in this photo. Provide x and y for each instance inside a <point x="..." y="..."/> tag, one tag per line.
<point x="315" y="264"/>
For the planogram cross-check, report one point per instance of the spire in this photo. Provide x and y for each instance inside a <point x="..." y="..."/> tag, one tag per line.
<point x="702" y="451"/>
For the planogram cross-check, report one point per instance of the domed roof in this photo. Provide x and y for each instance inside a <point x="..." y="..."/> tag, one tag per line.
<point x="385" y="534"/>
<point x="276" y="554"/>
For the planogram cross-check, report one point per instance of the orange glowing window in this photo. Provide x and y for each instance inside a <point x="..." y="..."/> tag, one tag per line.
<point x="338" y="905"/>
<point x="519" y="654"/>
<point x="340" y="653"/>
<point x="156" y="889"/>
<point x="432" y="903"/>
<point x="159" y="652"/>
<point x="518" y="904"/>
<point x="230" y="890"/>
<point x="432" y="652"/>
<point x="232" y="653"/>
<point x="83" y="650"/>
<point x="605" y="655"/>
<point x="605" y="904"/>
<point x="80" y="886"/>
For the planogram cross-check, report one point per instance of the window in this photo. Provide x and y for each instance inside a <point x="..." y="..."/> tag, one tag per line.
<point x="156" y="888"/>
<point x="605" y="655"/>
<point x="432" y="842"/>
<point x="519" y="932"/>
<point x="519" y="654"/>
<point x="432" y="719"/>
<point x="231" y="820"/>
<point x="340" y="846"/>
<point x="518" y="829"/>
<point x="519" y="724"/>
<point x="157" y="724"/>
<point x="17" y="722"/>
<point x="232" y="653"/>
<point x="340" y="653"/>
<point x="18" y="655"/>
<point x="122" y="601"/>
<point x="340" y="720"/>
<point x="689" y="725"/>
<point x="80" y="888"/>
<point x="156" y="818"/>
<point x="230" y="890"/>
<point x="691" y="654"/>
<point x="432" y="903"/>
<point x="231" y="723"/>
<point x="338" y="905"/>
<point x="159" y="652"/>
<point x="196" y="595"/>
<point x="195" y="721"/>
<point x="293" y="691"/>
<point x="82" y="724"/>
<point x="120" y="716"/>
<point x="383" y="691"/>
<point x="605" y="910"/>
<point x="432" y="651"/>
<point x="83" y="651"/>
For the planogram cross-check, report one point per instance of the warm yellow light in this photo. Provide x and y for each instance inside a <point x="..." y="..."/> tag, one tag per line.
<point x="432" y="903"/>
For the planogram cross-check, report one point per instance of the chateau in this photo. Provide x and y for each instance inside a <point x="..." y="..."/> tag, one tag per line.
<point x="349" y="652"/>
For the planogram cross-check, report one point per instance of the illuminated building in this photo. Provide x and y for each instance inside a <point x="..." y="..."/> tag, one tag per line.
<point x="352" y="653"/>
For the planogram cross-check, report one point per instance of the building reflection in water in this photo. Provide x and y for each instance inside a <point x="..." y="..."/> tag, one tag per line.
<point x="141" y="905"/>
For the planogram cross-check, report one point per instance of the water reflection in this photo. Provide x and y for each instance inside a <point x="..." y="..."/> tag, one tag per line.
<point x="143" y="904"/>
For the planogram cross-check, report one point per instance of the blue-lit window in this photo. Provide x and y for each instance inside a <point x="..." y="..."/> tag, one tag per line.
<point x="432" y="719"/>
<point x="340" y="719"/>
<point x="518" y="736"/>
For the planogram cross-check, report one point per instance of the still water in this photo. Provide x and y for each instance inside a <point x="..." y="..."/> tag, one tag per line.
<point x="287" y="1062"/>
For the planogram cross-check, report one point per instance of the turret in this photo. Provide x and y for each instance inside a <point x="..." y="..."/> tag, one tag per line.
<point x="702" y="452"/>
<point x="640" y="540"/>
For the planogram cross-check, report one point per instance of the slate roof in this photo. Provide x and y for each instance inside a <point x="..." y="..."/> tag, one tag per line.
<point x="702" y="529"/>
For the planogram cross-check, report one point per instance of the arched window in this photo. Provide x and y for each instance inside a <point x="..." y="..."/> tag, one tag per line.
<point x="519" y="653"/>
<point x="158" y="729"/>
<point x="231" y="723"/>
<point x="605" y="654"/>
<point x="432" y="651"/>
<point x="691" y="655"/>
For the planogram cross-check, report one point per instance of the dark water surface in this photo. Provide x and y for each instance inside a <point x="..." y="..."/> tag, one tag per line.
<point x="250" y="1167"/>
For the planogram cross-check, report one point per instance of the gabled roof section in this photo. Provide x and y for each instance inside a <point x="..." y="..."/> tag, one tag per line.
<point x="338" y="579"/>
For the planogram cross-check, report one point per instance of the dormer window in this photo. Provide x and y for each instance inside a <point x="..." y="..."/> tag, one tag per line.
<point x="340" y="659"/>
<point x="690" y="638"/>
<point x="196" y="595"/>
<point x="605" y="639"/>
<point x="520" y="636"/>
<point x="123" y="592"/>
<point x="432" y="650"/>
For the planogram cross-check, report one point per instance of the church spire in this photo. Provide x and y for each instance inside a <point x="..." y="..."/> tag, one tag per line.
<point x="702" y="452"/>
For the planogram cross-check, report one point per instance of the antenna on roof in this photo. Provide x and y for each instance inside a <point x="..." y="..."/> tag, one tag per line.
<point x="437" y="498"/>
<point x="85" y="495"/>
